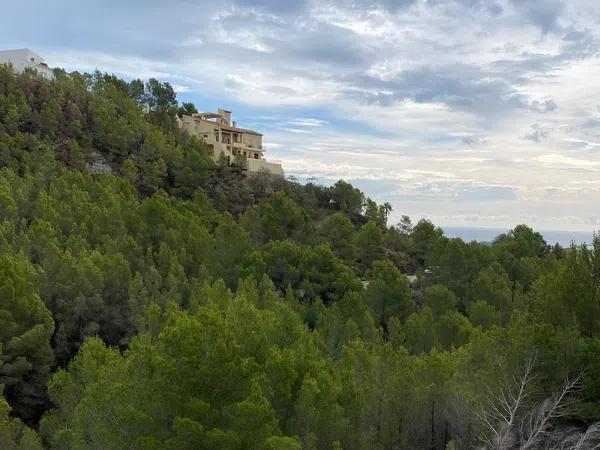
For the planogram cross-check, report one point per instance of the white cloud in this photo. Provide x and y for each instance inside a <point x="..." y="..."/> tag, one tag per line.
<point x="585" y="143"/>
<point x="307" y="122"/>
<point x="179" y="89"/>
<point x="558" y="161"/>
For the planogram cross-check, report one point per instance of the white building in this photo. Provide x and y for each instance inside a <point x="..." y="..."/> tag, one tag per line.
<point x="24" y="58"/>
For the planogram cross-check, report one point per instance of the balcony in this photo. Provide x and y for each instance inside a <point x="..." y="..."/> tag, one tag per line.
<point x="249" y="146"/>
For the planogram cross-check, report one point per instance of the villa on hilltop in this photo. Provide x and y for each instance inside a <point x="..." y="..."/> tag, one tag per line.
<point x="225" y="138"/>
<point x="24" y="58"/>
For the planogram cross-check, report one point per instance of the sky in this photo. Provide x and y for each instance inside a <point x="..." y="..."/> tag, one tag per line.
<point x="480" y="113"/>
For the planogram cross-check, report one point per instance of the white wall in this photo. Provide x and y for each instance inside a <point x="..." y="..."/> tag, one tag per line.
<point x="22" y="59"/>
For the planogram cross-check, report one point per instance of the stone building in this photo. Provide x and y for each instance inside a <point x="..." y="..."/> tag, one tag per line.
<point x="227" y="139"/>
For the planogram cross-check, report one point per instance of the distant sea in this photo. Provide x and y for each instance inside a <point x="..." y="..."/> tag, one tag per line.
<point x="564" y="238"/>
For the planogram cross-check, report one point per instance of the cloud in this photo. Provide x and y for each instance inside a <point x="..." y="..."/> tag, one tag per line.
<point x="461" y="87"/>
<point x="543" y="13"/>
<point x="591" y="123"/>
<point x="538" y="134"/>
<point x="562" y="162"/>
<point x="307" y="122"/>
<point x="581" y="143"/>
<point x="274" y="6"/>
<point x="179" y="89"/>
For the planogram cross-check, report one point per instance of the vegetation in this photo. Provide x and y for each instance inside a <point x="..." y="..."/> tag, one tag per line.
<point x="150" y="298"/>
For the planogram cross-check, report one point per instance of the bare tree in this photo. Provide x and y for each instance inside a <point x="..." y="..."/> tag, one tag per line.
<point x="511" y="420"/>
<point x="503" y="409"/>
<point x="536" y="424"/>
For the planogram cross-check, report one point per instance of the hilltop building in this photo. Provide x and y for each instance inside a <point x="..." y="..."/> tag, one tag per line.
<point x="217" y="130"/>
<point x="24" y="58"/>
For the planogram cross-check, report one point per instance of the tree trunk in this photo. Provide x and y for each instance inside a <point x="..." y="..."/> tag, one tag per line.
<point x="433" y="425"/>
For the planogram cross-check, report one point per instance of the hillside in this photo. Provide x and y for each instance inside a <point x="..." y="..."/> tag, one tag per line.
<point x="150" y="298"/>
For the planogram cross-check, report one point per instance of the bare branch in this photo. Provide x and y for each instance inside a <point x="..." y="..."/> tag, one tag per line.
<point x="573" y="439"/>
<point x="504" y="407"/>
<point x="537" y="422"/>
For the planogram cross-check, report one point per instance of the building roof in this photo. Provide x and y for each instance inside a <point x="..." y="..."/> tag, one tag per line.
<point x="205" y="116"/>
<point x="241" y="130"/>
<point x="25" y="52"/>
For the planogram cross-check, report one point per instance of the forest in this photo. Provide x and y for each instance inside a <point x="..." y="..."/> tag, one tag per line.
<point x="153" y="299"/>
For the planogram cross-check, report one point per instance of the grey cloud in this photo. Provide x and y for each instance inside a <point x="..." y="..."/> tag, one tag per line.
<point x="293" y="7"/>
<point x="281" y="90"/>
<point x="577" y="45"/>
<point x="591" y="123"/>
<point x="144" y="28"/>
<point x="471" y="141"/>
<point x="233" y="84"/>
<point x="296" y="47"/>
<point x="397" y="5"/>
<point x="576" y="36"/>
<point x="538" y="134"/>
<point x="545" y="106"/>
<point x="328" y="45"/>
<point x="487" y="193"/>
<point x="545" y="14"/>
<point x="388" y="5"/>
<point x="523" y="65"/>
<point x="275" y="6"/>
<point x="495" y="9"/>
<point x="461" y="87"/>
<point x="593" y="220"/>
<point x="458" y="192"/>
<point x="491" y="7"/>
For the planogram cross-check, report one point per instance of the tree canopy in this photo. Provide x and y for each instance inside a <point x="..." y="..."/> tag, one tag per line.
<point x="152" y="298"/>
